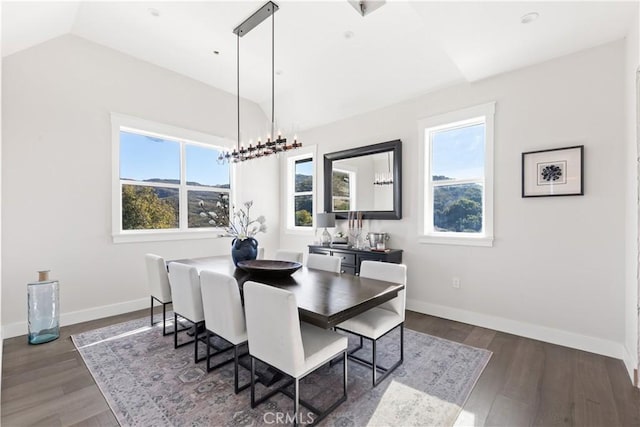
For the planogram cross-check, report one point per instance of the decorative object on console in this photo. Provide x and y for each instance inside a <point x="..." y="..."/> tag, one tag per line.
<point x="355" y="228"/>
<point x="326" y="220"/>
<point x="278" y="144"/>
<point x="377" y="241"/>
<point x="555" y="172"/>
<point x="340" y="238"/>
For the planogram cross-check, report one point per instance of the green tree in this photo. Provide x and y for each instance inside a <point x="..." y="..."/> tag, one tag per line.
<point x="303" y="218"/>
<point x="143" y="209"/>
<point x="463" y="215"/>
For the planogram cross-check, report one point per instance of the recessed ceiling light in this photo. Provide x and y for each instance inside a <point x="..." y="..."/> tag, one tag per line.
<point x="349" y="34"/>
<point x="216" y="52"/>
<point x="529" y="17"/>
<point x="153" y="12"/>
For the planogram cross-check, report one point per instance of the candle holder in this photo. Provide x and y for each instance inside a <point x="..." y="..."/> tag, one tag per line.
<point x="354" y="238"/>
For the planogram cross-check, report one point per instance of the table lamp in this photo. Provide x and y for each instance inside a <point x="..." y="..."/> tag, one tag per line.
<point x="326" y="220"/>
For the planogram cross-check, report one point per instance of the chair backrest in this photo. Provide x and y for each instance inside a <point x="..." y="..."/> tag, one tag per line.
<point x="396" y="273"/>
<point x="158" y="277"/>
<point x="288" y="256"/>
<point x="185" y="290"/>
<point x="273" y="327"/>
<point x="260" y="253"/>
<point x="324" y="262"/>
<point x="223" y="313"/>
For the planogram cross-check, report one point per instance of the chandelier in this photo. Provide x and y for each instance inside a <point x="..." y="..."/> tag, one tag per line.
<point x="271" y="146"/>
<point x="384" y="178"/>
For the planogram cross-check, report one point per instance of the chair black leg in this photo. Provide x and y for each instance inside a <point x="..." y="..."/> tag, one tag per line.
<point x="253" y="382"/>
<point x="377" y="379"/>
<point x="344" y="375"/>
<point x="235" y="369"/>
<point x="164" y="319"/>
<point x="175" y="335"/>
<point x="208" y="351"/>
<point x="375" y="366"/>
<point x="296" y="402"/>
<point x="151" y="312"/>
<point x="236" y="356"/>
<point x="401" y="342"/>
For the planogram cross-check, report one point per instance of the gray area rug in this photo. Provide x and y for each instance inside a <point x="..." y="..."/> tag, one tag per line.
<point x="148" y="383"/>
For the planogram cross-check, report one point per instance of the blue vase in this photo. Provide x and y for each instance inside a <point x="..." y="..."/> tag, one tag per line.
<point x="243" y="250"/>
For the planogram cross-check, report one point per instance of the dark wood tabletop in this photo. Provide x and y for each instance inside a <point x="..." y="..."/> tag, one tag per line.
<point x="324" y="299"/>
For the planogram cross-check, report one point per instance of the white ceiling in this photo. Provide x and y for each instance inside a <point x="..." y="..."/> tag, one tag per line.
<point x="397" y="52"/>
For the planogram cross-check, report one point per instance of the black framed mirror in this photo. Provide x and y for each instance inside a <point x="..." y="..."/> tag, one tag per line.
<point x="366" y="179"/>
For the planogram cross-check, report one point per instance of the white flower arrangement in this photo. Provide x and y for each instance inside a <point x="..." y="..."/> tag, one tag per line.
<point x="240" y="225"/>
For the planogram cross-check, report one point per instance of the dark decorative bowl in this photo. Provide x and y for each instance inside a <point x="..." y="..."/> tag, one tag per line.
<point x="269" y="268"/>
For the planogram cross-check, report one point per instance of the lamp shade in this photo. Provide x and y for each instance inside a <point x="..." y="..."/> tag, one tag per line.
<point x="326" y="220"/>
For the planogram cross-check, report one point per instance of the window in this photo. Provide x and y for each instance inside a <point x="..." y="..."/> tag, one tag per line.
<point x="343" y="191"/>
<point x="163" y="179"/>
<point x="458" y="177"/>
<point x="300" y="191"/>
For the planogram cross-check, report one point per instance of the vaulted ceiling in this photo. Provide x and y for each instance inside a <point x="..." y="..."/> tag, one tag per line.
<point x="331" y="62"/>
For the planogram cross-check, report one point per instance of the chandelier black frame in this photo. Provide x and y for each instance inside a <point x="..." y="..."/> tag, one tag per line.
<point x="272" y="146"/>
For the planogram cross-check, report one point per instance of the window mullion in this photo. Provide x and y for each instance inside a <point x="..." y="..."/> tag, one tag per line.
<point x="445" y="183"/>
<point x="148" y="184"/>
<point x="183" y="205"/>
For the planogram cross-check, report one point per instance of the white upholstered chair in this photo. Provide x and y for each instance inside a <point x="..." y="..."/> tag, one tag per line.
<point x="378" y="321"/>
<point x="324" y="262"/>
<point x="279" y="339"/>
<point x="260" y="253"/>
<point x="292" y="256"/>
<point x="159" y="288"/>
<point x="223" y="317"/>
<point x="187" y="302"/>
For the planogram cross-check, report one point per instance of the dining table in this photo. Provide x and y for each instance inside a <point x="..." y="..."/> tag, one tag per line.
<point x="324" y="298"/>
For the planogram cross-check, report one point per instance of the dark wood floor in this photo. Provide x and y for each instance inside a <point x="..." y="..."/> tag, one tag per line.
<point x="526" y="383"/>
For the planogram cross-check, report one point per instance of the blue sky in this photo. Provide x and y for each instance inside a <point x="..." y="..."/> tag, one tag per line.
<point x="459" y="153"/>
<point x="143" y="157"/>
<point x="304" y="168"/>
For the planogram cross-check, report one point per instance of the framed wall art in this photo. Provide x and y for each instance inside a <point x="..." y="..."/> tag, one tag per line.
<point x="555" y="172"/>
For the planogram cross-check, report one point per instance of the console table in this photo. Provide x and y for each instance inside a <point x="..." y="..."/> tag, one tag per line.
<point x="351" y="258"/>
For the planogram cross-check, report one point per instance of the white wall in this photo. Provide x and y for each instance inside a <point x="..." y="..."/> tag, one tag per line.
<point x="557" y="268"/>
<point x="56" y="172"/>
<point x="631" y="223"/>
<point x="1" y="323"/>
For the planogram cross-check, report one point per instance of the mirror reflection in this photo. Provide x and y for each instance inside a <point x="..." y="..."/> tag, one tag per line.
<point x="363" y="183"/>
<point x="367" y="179"/>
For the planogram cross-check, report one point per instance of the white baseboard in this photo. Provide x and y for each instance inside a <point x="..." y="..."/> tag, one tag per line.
<point x="73" y="317"/>
<point x="528" y="330"/>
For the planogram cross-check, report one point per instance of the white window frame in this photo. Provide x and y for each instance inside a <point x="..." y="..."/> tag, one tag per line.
<point x="465" y="117"/>
<point x="121" y="122"/>
<point x="352" y="172"/>
<point x="289" y="190"/>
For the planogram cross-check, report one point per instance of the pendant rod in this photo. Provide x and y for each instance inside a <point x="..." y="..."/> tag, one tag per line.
<point x="273" y="117"/>
<point x="238" y="86"/>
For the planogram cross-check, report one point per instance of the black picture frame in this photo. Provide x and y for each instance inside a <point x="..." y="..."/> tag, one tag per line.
<point x="553" y="172"/>
<point x="394" y="146"/>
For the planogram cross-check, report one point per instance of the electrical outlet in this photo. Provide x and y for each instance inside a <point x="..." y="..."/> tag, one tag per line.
<point x="455" y="282"/>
